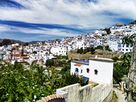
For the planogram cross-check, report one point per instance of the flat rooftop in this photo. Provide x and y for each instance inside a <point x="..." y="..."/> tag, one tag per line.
<point x="102" y="59"/>
<point x="86" y="62"/>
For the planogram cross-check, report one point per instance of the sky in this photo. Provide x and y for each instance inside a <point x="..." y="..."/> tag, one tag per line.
<point x="35" y="20"/>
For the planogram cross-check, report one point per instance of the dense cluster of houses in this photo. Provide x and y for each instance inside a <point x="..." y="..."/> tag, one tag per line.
<point x="21" y="53"/>
<point x="50" y="49"/>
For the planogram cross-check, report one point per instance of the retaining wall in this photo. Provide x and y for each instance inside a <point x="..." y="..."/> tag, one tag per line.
<point x="88" y="93"/>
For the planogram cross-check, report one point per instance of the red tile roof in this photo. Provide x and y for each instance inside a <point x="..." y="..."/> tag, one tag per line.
<point x="51" y="97"/>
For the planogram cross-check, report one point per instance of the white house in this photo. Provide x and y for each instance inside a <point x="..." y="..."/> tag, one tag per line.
<point x="100" y="32"/>
<point x="112" y="41"/>
<point x="78" y="44"/>
<point x="98" y="42"/>
<point x="98" y="70"/>
<point x="59" y="50"/>
<point x="113" y="45"/>
<point x="125" y="48"/>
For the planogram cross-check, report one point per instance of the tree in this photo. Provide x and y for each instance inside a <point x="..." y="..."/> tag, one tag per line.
<point x="34" y="52"/>
<point x="107" y="48"/>
<point x="80" y="50"/>
<point x="108" y="31"/>
<point x="99" y="47"/>
<point x="49" y="62"/>
<point x="6" y="42"/>
<point x="19" y="83"/>
<point x="88" y="49"/>
<point x="92" y="50"/>
<point x="131" y="39"/>
<point x="69" y="79"/>
<point x="121" y="67"/>
<point x="134" y="93"/>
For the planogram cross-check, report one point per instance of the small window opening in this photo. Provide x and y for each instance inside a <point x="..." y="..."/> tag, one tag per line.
<point x="95" y="72"/>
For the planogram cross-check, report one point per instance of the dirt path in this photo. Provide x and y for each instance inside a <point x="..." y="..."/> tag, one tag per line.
<point x="121" y="97"/>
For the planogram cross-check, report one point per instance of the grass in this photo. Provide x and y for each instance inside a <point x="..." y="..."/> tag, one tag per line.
<point x="101" y="54"/>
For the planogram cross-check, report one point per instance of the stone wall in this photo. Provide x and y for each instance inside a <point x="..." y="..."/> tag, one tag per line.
<point x="88" y="93"/>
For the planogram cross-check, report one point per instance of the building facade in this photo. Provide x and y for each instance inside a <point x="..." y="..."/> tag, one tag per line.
<point x="98" y="70"/>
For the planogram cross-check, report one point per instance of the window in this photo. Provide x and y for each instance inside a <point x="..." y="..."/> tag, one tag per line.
<point x="126" y="49"/>
<point x="87" y="70"/>
<point x="76" y="70"/>
<point x="119" y="45"/>
<point x="95" y="71"/>
<point x="81" y="70"/>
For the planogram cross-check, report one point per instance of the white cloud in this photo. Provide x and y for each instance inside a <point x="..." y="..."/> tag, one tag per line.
<point x="44" y="31"/>
<point x="58" y="11"/>
<point x="86" y="15"/>
<point x="4" y="28"/>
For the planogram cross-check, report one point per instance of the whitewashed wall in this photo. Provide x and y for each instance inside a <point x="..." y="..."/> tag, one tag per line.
<point x="76" y="93"/>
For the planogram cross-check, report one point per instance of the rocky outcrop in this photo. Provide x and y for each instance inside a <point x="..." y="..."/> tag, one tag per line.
<point x="132" y="73"/>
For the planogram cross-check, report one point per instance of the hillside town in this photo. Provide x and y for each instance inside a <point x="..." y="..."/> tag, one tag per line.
<point x="41" y="51"/>
<point x="88" y="79"/>
<point x="67" y="51"/>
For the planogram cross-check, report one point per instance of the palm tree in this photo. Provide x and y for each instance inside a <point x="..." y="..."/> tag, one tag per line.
<point x="130" y="39"/>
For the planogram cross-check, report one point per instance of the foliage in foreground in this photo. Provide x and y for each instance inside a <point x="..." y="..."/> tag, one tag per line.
<point x="121" y="67"/>
<point x="19" y="83"/>
<point x="134" y="93"/>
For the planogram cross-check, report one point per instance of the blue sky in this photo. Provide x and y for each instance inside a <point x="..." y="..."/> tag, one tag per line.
<point x="29" y="20"/>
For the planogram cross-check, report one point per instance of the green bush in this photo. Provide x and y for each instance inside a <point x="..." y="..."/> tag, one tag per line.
<point x="20" y="84"/>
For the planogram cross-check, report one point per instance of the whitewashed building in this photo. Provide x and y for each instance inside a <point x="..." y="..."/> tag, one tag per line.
<point x="112" y="41"/>
<point x="125" y="48"/>
<point x="59" y="50"/>
<point x="78" y="44"/>
<point x="98" y="70"/>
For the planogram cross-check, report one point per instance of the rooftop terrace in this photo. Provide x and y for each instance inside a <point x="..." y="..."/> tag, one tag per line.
<point x="86" y="62"/>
